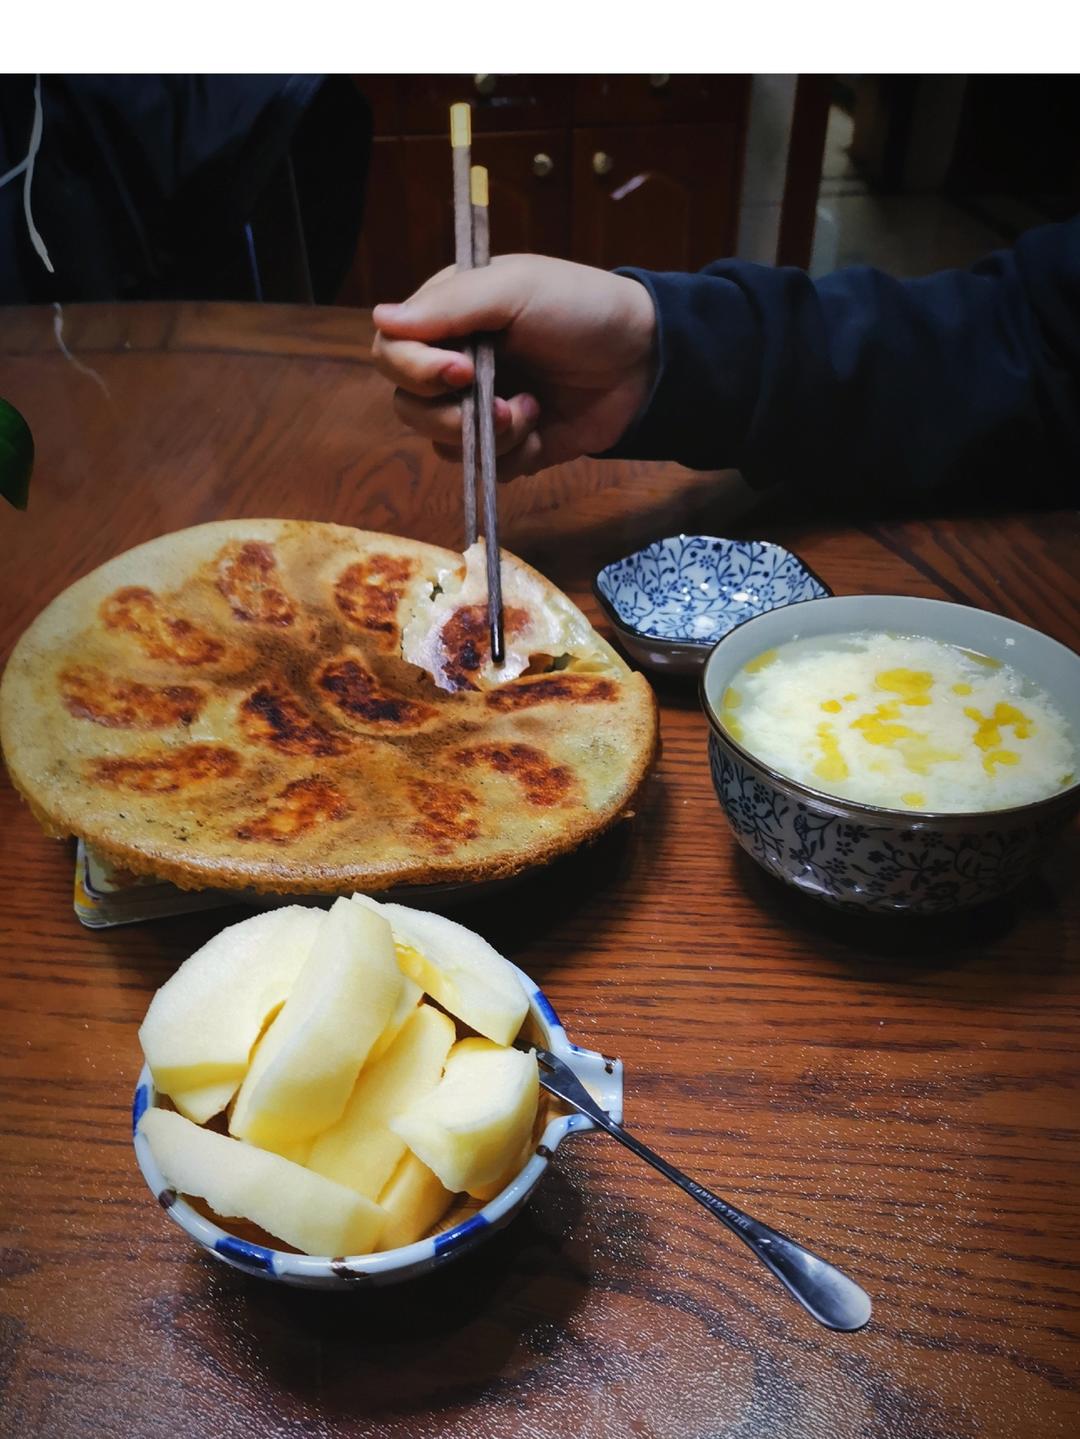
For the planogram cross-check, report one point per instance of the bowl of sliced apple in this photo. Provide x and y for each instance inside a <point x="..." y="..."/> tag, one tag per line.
<point x="350" y="1096"/>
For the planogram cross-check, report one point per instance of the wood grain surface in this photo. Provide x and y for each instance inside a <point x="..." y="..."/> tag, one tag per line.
<point x="902" y="1097"/>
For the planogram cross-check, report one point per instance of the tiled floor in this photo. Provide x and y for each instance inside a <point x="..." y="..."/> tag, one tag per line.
<point x="902" y="234"/>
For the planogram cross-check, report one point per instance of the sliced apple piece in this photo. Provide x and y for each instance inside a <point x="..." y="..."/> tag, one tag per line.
<point x="203" y="1022"/>
<point x="471" y="1128"/>
<point x="238" y="1181"/>
<point x="410" y="997"/>
<point x="306" y="1065"/>
<point x="203" y="1103"/>
<point x="361" y="1150"/>
<point x="460" y="971"/>
<point x="484" y="1192"/>
<point x="297" y="1151"/>
<point x="413" y="1200"/>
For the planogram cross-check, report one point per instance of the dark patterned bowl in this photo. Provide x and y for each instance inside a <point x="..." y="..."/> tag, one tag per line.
<point x="673" y="600"/>
<point x="865" y="856"/>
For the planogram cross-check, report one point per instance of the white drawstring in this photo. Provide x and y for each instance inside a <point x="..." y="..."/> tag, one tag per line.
<point x="31" y="155"/>
<point x="27" y="166"/>
<point x="14" y="172"/>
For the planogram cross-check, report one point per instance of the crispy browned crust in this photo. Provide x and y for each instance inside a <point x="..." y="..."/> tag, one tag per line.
<point x="258" y="729"/>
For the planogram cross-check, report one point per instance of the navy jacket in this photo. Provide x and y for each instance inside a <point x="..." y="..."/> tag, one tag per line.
<point x="871" y="381"/>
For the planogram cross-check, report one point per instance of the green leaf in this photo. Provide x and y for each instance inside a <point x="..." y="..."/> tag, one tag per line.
<point x="16" y="456"/>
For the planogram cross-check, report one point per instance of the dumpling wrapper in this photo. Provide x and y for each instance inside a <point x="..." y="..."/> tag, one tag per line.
<point x="447" y="634"/>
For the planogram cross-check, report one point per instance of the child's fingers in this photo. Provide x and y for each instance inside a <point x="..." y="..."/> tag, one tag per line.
<point x="439" y="419"/>
<point x="421" y="369"/>
<point x="524" y="459"/>
<point x="457" y="304"/>
<point x="514" y="420"/>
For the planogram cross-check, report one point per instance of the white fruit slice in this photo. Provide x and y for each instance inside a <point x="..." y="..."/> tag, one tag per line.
<point x="305" y="1210"/>
<point x="472" y="1128"/>
<point x="458" y="969"/>
<point x="203" y="1022"/>
<point x="203" y="1103"/>
<point x="360" y="1150"/>
<point x="484" y="1192"/>
<point x="410" y="997"/>
<point x="414" y="1200"/>
<point x="304" y="1070"/>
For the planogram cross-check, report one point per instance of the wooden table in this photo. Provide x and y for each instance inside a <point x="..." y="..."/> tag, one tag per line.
<point x="902" y="1097"/>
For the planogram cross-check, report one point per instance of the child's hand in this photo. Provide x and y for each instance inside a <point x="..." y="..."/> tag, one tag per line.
<point x="574" y="354"/>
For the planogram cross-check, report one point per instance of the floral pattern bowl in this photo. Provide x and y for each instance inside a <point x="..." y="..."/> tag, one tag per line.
<point x="673" y="600"/>
<point x="859" y="855"/>
<point x="467" y="1224"/>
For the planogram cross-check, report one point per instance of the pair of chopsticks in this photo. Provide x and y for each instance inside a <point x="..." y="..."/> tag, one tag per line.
<point x="472" y="249"/>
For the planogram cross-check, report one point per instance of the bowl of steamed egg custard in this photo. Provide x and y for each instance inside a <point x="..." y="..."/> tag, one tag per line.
<point x="896" y="754"/>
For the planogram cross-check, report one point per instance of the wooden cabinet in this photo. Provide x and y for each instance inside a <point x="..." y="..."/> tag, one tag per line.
<point x="664" y="197"/>
<point x="608" y="170"/>
<point x="659" y="99"/>
<point x="529" y="181"/>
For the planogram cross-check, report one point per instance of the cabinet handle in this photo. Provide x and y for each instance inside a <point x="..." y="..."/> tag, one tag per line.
<point x="542" y="165"/>
<point x="659" y="82"/>
<point x="602" y="163"/>
<point x="484" y="84"/>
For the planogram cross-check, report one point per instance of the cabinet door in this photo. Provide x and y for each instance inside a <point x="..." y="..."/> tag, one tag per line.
<point x="660" y="99"/>
<point x="500" y="103"/>
<point x="380" y="269"/>
<point x="530" y="196"/>
<point x="665" y="198"/>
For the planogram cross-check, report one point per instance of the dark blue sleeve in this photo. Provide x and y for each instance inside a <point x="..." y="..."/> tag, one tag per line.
<point x="867" y="380"/>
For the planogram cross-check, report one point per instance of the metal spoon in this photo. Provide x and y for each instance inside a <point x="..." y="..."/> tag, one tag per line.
<point x="831" y="1297"/>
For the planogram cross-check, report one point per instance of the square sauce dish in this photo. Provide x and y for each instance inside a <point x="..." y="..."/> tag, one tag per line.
<point x="673" y="600"/>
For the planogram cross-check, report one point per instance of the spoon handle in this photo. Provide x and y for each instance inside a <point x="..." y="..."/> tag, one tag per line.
<point x="829" y="1296"/>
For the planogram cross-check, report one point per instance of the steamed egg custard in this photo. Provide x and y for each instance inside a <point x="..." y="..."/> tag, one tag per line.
<point x="902" y="722"/>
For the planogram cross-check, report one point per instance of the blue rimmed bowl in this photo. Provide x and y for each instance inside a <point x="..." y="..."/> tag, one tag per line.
<point x="864" y="856"/>
<point x="461" y="1231"/>
<point x="673" y="600"/>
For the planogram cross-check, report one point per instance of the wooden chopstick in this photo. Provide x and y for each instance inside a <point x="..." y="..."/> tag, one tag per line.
<point x="485" y="422"/>
<point x="461" y="150"/>
<point x="477" y="405"/>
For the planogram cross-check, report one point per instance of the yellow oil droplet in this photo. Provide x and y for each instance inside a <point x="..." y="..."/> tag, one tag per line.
<point x="832" y="765"/>
<point x="733" y="727"/>
<point x="920" y="755"/>
<point x="832" y="707"/>
<point x="765" y="658"/>
<point x="961" y="689"/>
<point x="732" y="698"/>
<point x="1000" y="756"/>
<point x="914" y="800"/>
<point x="1067" y="778"/>
<point x="876" y="728"/>
<point x="987" y="735"/>
<point x="985" y="660"/>
<point x="1007" y="714"/>
<point x="913" y="686"/>
<point x="850" y="699"/>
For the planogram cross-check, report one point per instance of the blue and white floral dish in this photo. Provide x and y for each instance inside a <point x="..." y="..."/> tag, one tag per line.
<point x="867" y="857"/>
<point x="673" y="600"/>
<point x="603" y="1078"/>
